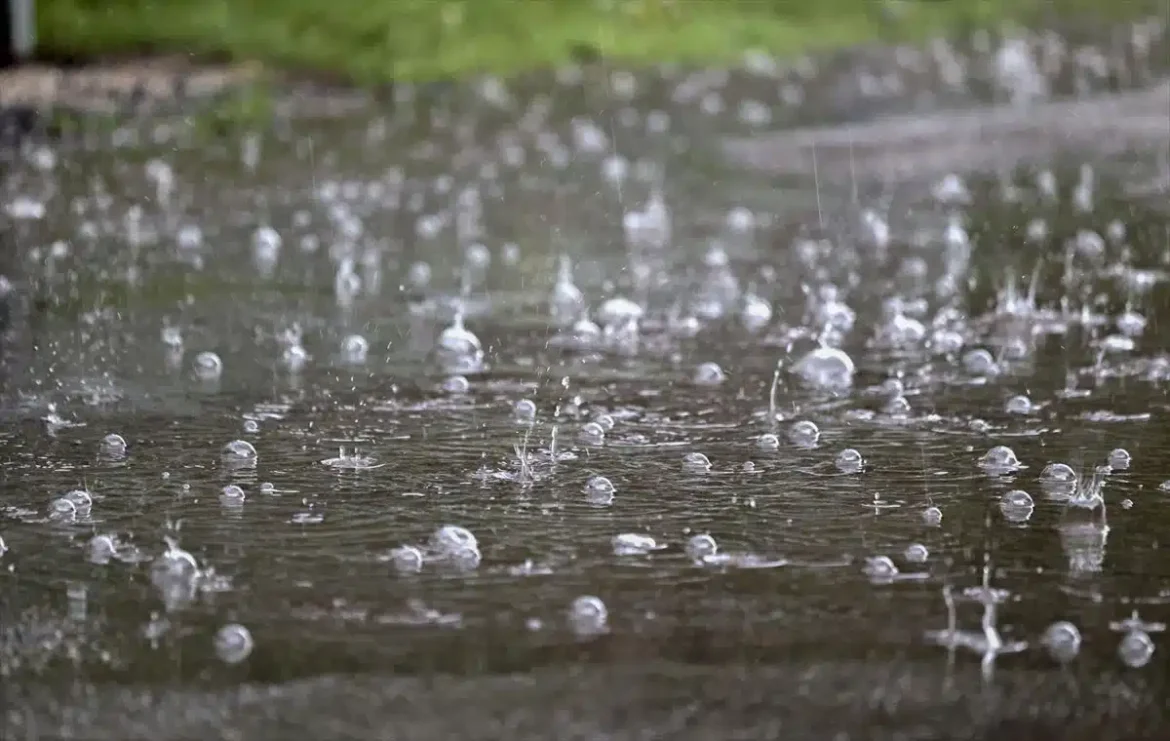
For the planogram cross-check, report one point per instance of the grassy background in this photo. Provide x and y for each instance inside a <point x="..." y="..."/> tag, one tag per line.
<point x="381" y="40"/>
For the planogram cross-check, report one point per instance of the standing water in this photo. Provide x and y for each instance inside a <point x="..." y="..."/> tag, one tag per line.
<point x="533" y="414"/>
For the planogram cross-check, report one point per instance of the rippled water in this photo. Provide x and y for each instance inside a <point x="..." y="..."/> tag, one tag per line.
<point x="193" y="590"/>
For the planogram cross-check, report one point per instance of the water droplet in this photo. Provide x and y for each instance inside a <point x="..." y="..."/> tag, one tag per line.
<point x="880" y="568"/>
<point x="932" y="517"/>
<point x="456" y="385"/>
<point x="239" y="453"/>
<point x="768" y="442"/>
<point x="825" y="368"/>
<point x="408" y="559"/>
<point x="592" y="433"/>
<point x="1136" y="649"/>
<point x="1019" y="405"/>
<point x="1016" y="505"/>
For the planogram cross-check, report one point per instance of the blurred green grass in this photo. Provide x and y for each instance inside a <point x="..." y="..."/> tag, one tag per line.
<point x="374" y="41"/>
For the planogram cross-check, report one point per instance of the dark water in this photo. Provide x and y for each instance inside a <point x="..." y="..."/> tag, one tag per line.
<point x="791" y="635"/>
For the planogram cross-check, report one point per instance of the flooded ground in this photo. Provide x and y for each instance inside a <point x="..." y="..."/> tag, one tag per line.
<point x="532" y="411"/>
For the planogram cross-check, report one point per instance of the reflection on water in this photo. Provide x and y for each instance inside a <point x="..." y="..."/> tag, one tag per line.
<point x="547" y="419"/>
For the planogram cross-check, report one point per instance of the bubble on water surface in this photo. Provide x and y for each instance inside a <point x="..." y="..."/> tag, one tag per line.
<point x="232" y="496"/>
<point x="455" y="545"/>
<point x="999" y="460"/>
<point x="407" y="559"/>
<point x="696" y="462"/>
<point x="207" y="366"/>
<point x="804" y="434"/>
<point x="1019" y="405"/>
<point x="1062" y="640"/>
<point x="251" y="427"/>
<point x="592" y="433"/>
<point x="932" y="517"/>
<point x="825" y="368"/>
<point x="880" y="569"/>
<point x="916" y="553"/>
<point x="112" y="447"/>
<point x="62" y="509"/>
<point x="1119" y="459"/>
<point x="456" y="385"/>
<point x="708" y="374"/>
<point x="849" y="461"/>
<point x="238" y="453"/>
<point x="102" y="548"/>
<point x="524" y="410"/>
<point x="354" y="349"/>
<point x="233" y="643"/>
<point x="459" y="348"/>
<point x="633" y="544"/>
<point x="768" y="442"/>
<point x="979" y="362"/>
<point x="588" y="616"/>
<point x="701" y="546"/>
<point x="599" y="490"/>
<point x="1136" y="649"/>
<point x="1016" y="505"/>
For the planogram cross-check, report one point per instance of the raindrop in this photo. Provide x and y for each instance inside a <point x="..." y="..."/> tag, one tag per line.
<point x="1016" y="505"/>
<point x="804" y="434"/>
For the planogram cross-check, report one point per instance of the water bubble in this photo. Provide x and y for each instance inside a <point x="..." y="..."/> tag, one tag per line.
<point x="172" y="337"/>
<point x="932" y="516"/>
<point x="633" y="544"/>
<point x="1016" y="505"/>
<point x="102" y="548"/>
<point x="880" y="568"/>
<point x="916" y="553"/>
<point x="897" y="407"/>
<point x="112" y="447"/>
<point x="1058" y="475"/>
<point x="251" y="426"/>
<point x="1136" y="649"/>
<point x="696" y="462"/>
<point x="588" y="616"/>
<point x="457" y="347"/>
<point x="62" y="509"/>
<point x="1019" y="405"/>
<point x="233" y="644"/>
<point x="709" y="374"/>
<point x="524" y="410"/>
<point x="1000" y="459"/>
<point x="979" y="362"/>
<point x="592" y="433"/>
<point x="456" y="385"/>
<point x="80" y="499"/>
<point x="804" y="434"/>
<point x="599" y="490"/>
<point x="1062" y="640"/>
<point x="606" y="421"/>
<point x="354" y="349"/>
<point x="701" y="546"/>
<point x="849" y="461"/>
<point x="239" y="453"/>
<point x="207" y="366"/>
<point x="456" y="545"/>
<point x="768" y="442"/>
<point x="1119" y="459"/>
<point x="825" y="368"/>
<point x="408" y="559"/>
<point x="294" y="358"/>
<point x="232" y="496"/>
